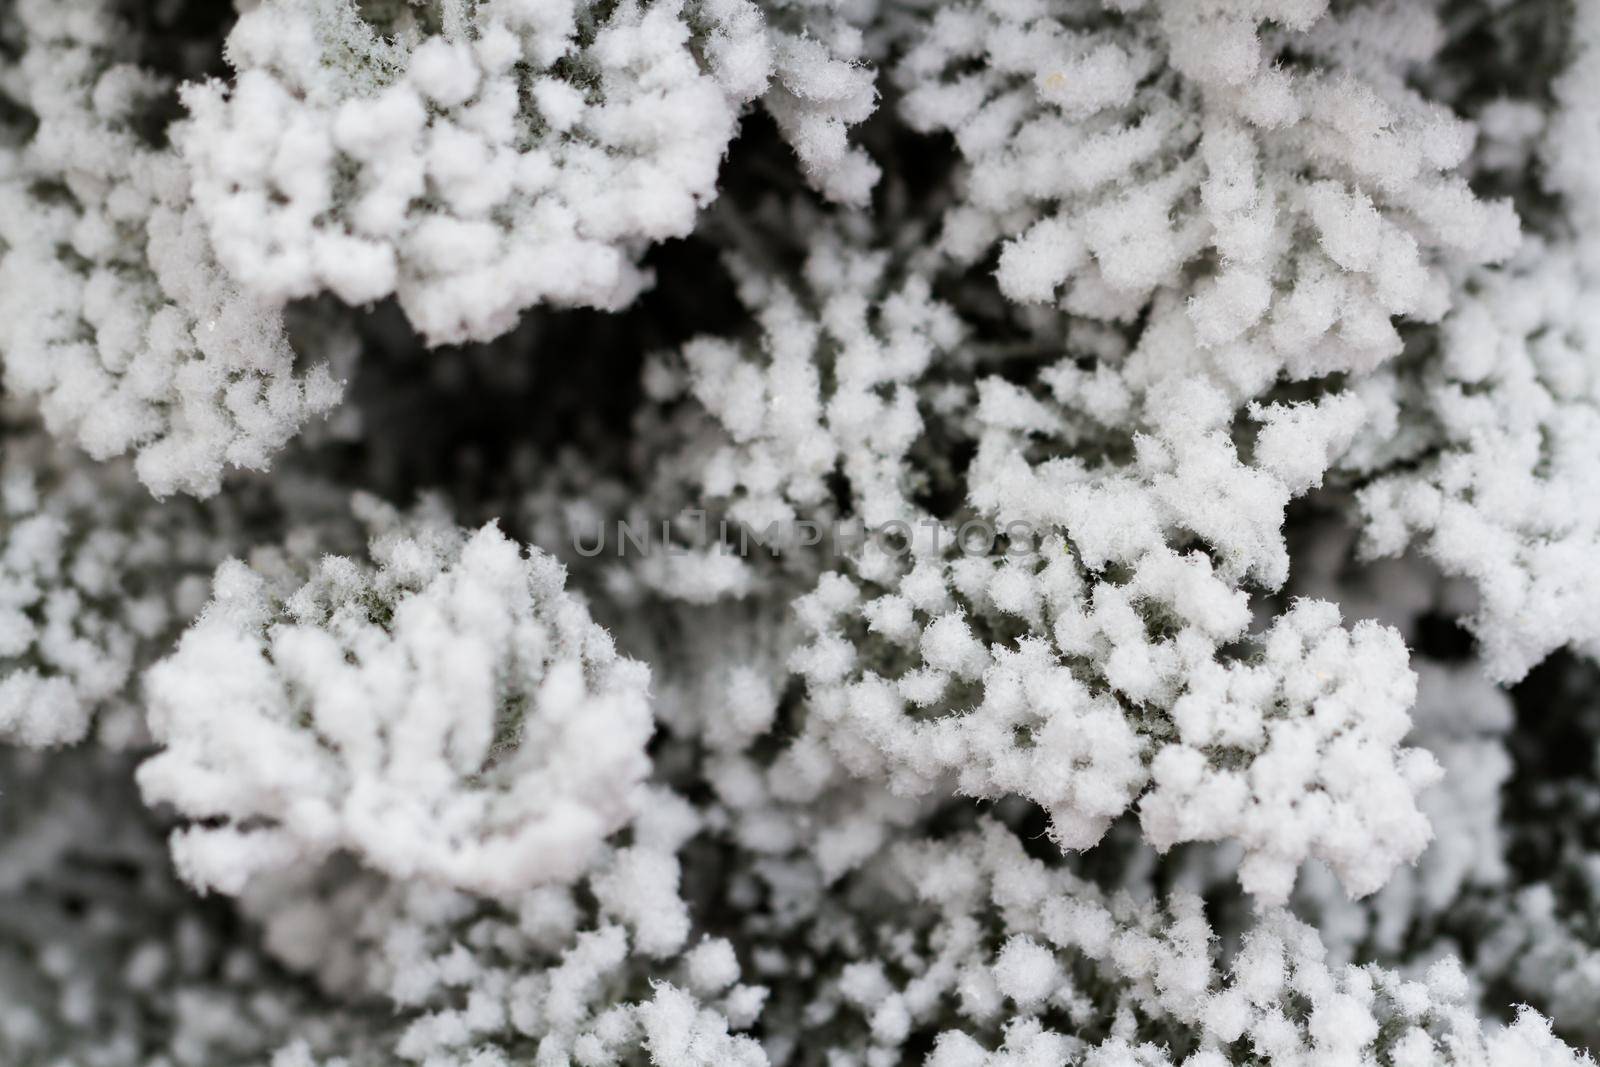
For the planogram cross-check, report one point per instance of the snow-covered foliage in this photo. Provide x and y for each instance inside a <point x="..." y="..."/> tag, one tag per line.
<point x="1266" y="163"/>
<point x="800" y="533"/>
<point x="476" y="159"/>
<point x="97" y="579"/>
<point x="114" y="314"/>
<point x="451" y="716"/>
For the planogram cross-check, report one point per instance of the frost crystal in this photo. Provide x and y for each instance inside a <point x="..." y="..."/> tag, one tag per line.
<point x="113" y="311"/>
<point x="800" y="533"/>
<point x="451" y="715"/>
